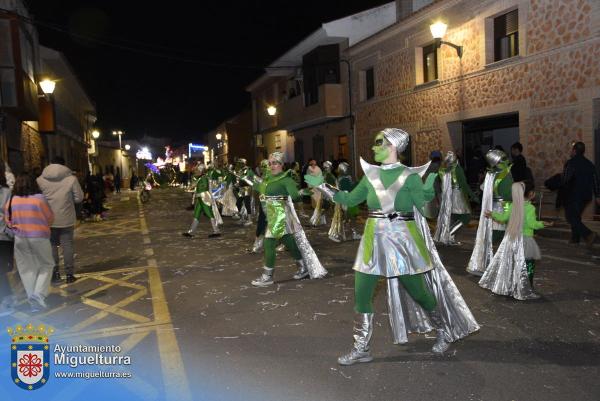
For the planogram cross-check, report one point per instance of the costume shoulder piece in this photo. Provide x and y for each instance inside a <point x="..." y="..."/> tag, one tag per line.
<point x="370" y="168"/>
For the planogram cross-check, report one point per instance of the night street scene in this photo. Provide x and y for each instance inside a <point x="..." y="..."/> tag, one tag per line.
<point x="300" y="200"/>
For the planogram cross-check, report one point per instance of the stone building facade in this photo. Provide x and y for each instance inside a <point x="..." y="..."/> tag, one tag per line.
<point x="545" y="96"/>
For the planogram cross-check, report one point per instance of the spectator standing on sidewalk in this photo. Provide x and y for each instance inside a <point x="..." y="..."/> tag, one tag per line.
<point x="519" y="169"/>
<point x="118" y="181"/>
<point x="581" y="184"/>
<point x="6" y="249"/>
<point x="63" y="191"/>
<point x="30" y="217"/>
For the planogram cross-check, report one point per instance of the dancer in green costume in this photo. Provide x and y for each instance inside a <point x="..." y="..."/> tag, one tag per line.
<point x="204" y="205"/>
<point x="455" y="210"/>
<point x="278" y="192"/>
<point x="397" y="245"/>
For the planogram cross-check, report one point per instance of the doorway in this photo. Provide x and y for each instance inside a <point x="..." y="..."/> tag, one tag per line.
<point x="482" y="134"/>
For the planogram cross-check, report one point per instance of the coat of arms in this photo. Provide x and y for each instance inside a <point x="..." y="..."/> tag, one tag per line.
<point x="30" y="355"/>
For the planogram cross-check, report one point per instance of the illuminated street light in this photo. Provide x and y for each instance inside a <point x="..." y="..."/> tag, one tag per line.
<point x="95" y="134"/>
<point x="48" y="86"/>
<point x="438" y="30"/>
<point x="218" y="136"/>
<point x="127" y="147"/>
<point x="271" y="110"/>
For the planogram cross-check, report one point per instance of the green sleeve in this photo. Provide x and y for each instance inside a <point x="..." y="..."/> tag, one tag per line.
<point x="357" y="196"/>
<point x="504" y="216"/>
<point x="462" y="182"/>
<point x="428" y="188"/>
<point x="505" y="188"/>
<point x="291" y="188"/>
<point x="416" y="190"/>
<point x="531" y="220"/>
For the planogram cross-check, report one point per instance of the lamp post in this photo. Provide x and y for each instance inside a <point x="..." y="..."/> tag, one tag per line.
<point x="438" y="30"/>
<point x="119" y="134"/>
<point x="271" y="110"/>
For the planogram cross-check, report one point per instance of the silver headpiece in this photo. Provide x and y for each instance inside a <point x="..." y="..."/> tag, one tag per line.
<point x="242" y="161"/>
<point x="494" y="156"/>
<point x="277" y="156"/>
<point x="397" y="137"/>
<point x="343" y="168"/>
<point x="450" y="158"/>
<point x="327" y="165"/>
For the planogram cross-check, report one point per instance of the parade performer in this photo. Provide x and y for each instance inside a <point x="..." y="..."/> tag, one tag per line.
<point x="397" y="244"/>
<point x="455" y="210"/>
<point x="343" y="215"/>
<point x="496" y="189"/>
<point x="261" y="223"/>
<point x="513" y="266"/>
<point x="243" y="191"/>
<point x="204" y="204"/>
<point x="283" y="225"/>
<point x="229" y="201"/>
<point x="318" y="217"/>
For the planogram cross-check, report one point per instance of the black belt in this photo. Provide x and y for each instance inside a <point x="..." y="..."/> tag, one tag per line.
<point x="392" y="216"/>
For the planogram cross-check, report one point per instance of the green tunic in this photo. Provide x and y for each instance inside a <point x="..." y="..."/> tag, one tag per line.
<point x="202" y="191"/>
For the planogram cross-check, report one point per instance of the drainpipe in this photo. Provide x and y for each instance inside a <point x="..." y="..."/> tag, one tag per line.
<point x="353" y="157"/>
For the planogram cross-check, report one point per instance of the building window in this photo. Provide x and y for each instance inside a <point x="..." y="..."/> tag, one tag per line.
<point x="506" y="35"/>
<point x="369" y="83"/>
<point x="430" y="70"/>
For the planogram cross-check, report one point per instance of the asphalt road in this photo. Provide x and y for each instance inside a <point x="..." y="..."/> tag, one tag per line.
<point x="204" y="333"/>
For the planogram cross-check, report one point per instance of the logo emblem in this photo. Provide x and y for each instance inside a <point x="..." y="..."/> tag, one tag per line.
<point x="30" y="355"/>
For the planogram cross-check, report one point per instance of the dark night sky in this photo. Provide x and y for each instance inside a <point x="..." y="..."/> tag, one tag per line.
<point x="160" y="94"/>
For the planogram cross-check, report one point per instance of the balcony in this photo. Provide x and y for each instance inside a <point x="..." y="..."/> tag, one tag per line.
<point x="292" y="114"/>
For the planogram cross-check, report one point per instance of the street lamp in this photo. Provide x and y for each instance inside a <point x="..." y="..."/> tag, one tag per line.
<point x="438" y="30"/>
<point x="48" y="86"/>
<point x="95" y="134"/>
<point x="271" y="110"/>
<point x="219" y="136"/>
<point x="120" y="133"/>
<point x="127" y="147"/>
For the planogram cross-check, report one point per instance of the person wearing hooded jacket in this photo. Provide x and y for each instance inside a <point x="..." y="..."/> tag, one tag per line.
<point x="61" y="188"/>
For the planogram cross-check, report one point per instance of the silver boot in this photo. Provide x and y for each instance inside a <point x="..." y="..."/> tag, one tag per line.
<point x="265" y="279"/>
<point x="280" y="248"/>
<point x="363" y="331"/>
<point x="192" y="231"/>
<point x="258" y="244"/>
<point x="215" y="226"/>
<point x="442" y="343"/>
<point x="302" y="270"/>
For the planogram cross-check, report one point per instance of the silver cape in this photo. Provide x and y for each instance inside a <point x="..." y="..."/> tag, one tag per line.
<point x="406" y="316"/>
<point x="483" y="251"/>
<point x="229" y="202"/>
<point x="507" y="273"/>
<point x="314" y="266"/>
<point x="442" y="228"/>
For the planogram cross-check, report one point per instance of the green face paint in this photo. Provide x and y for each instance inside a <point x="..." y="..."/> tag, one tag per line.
<point x="381" y="148"/>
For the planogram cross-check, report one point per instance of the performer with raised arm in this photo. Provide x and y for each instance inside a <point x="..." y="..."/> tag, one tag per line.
<point x="204" y="204"/>
<point x="279" y="192"/>
<point x="342" y="215"/>
<point x="495" y="195"/>
<point x="455" y="210"/>
<point x="397" y="244"/>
